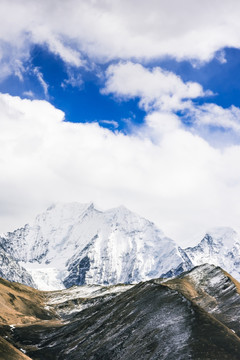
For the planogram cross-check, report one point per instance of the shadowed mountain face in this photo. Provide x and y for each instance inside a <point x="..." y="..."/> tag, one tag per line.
<point x="194" y="316"/>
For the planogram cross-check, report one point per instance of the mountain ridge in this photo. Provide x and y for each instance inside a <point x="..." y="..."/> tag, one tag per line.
<point x="195" y="316"/>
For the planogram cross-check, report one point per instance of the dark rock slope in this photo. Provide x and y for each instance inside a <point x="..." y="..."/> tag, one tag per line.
<point x="194" y="316"/>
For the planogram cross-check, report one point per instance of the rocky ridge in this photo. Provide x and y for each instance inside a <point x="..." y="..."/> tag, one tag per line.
<point x="194" y="316"/>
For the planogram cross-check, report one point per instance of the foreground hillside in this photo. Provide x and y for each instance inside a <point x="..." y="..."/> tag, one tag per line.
<point x="194" y="316"/>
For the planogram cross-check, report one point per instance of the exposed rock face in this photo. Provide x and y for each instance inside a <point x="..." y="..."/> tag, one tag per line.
<point x="75" y="244"/>
<point x="194" y="316"/>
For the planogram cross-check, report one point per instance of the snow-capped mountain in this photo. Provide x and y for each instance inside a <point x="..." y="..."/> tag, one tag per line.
<point x="221" y="247"/>
<point x="75" y="243"/>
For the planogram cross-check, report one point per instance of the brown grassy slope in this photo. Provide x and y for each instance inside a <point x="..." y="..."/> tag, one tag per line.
<point x="20" y="304"/>
<point x="186" y="287"/>
<point x="236" y="283"/>
<point x="9" y="352"/>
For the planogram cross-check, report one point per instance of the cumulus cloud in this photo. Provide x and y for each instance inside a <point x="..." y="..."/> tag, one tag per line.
<point x="106" y="30"/>
<point x="162" y="95"/>
<point x="156" y="88"/>
<point x="179" y="181"/>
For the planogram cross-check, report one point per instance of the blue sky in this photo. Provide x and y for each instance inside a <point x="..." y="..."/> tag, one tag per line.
<point x="124" y="102"/>
<point x="83" y="102"/>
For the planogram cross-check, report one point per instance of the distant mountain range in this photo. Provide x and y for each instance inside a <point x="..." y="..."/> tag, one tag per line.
<point x="76" y="244"/>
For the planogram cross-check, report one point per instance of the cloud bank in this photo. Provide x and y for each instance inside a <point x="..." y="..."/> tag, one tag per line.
<point x="179" y="181"/>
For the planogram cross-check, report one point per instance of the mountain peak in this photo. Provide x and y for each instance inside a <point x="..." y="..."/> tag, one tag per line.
<point x="120" y="209"/>
<point x="220" y="246"/>
<point x="224" y="235"/>
<point x="74" y="243"/>
<point x="74" y="206"/>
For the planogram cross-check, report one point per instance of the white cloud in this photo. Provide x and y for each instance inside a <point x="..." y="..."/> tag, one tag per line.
<point x="106" y="30"/>
<point x="214" y="115"/>
<point x="29" y="94"/>
<point x="156" y="88"/>
<point x="179" y="181"/>
<point x="41" y="80"/>
<point x="58" y="47"/>
<point x="112" y="123"/>
<point x="73" y="79"/>
<point x="12" y="57"/>
<point x="162" y="94"/>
